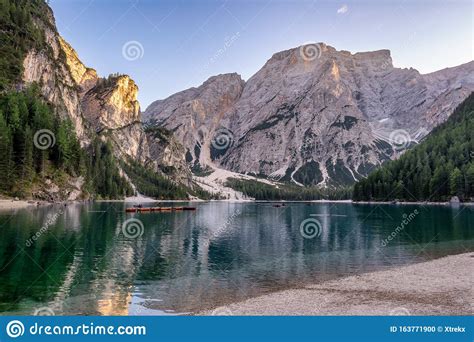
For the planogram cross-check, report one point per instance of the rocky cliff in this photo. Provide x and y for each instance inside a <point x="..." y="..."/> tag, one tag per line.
<point x="107" y="107"/>
<point x="195" y="114"/>
<point x="312" y="115"/>
<point x="49" y="69"/>
<point x="111" y="103"/>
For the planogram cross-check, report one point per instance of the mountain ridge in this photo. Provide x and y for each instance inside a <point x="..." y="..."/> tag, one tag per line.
<point x="314" y="115"/>
<point x="440" y="168"/>
<point x="104" y="112"/>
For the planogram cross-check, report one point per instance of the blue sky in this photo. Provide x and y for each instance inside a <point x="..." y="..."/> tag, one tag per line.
<point x="182" y="43"/>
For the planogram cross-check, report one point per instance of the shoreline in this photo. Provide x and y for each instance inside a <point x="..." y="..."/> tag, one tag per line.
<point x="414" y="203"/>
<point x="289" y="201"/>
<point x="12" y="204"/>
<point x="437" y="287"/>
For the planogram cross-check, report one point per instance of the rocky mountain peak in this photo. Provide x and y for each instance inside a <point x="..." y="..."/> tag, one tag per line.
<point x="81" y="74"/>
<point x="312" y="54"/>
<point x="230" y="77"/>
<point x="125" y="94"/>
<point x="112" y="103"/>
<point x="104" y="108"/>
<point x="311" y="114"/>
<point x="194" y="114"/>
<point x="107" y="103"/>
<point x="383" y="54"/>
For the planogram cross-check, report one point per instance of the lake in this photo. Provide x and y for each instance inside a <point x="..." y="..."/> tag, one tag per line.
<point x="95" y="259"/>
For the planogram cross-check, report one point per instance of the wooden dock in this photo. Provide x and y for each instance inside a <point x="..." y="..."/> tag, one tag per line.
<point x="150" y="209"/>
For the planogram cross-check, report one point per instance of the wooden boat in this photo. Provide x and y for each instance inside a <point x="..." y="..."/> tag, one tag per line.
<point x="166" y="209"/>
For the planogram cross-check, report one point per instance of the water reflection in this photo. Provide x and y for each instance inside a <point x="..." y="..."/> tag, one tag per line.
<point x="186" y="261"/>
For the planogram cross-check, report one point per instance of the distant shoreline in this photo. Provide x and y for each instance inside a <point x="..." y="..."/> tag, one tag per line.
<point x="414" y="203"/>
<point x="292" y="201"/>
<point x="12" y="204"/>
<point x="437" y="287"/>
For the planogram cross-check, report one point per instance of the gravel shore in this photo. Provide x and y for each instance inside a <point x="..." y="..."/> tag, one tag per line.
<point x="12" y="204"/>
<point x="438" y="287"/>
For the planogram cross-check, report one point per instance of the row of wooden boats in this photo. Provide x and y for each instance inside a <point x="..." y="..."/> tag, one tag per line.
<point x="149" y="209"/>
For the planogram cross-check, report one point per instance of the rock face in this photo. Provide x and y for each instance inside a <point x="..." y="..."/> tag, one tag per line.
<point x="70" y="191"/>
<point x="111" y="103"/>
<point x="48" y="68"/>
<point x="91" y="102"/>
<point x="107" y="107"/>
<point x="82" y="75"/>
<point x="312" y="115"/>
<point x="168" y="155"/>
<point x="195" y="114"/>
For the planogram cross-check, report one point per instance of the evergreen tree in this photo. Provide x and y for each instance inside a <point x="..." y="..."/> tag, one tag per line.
<point x="436" y="169"/>
<point x="469" y="179"/>
<point x="63" y="143"/>
<point x="27" y="162"/>
<point x="456" y="183"/>
<point x="6" y="161"/>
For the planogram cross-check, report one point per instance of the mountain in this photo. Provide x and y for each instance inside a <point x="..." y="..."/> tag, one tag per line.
<point x="98" y="119"/>
<point x="195" y="114"/>
<point x="311" y="115"/>
<point x="440" y="167"/>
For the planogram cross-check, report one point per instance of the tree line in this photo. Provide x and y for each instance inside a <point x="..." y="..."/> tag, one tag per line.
<point x="438" y="168"/>
<point x="152" y="184"/>
<point x="288" y="192"/>
<point x="36" y="144"/>
<point x="18" y="35"/>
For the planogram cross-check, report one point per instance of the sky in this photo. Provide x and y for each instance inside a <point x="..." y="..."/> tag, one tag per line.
<point x="168" y="46"/>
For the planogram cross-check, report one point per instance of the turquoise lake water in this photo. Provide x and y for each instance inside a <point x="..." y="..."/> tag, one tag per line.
<point x="95" y="259"/>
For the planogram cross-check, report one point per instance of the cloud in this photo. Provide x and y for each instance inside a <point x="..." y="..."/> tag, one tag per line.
<point x="343" y="9"/>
